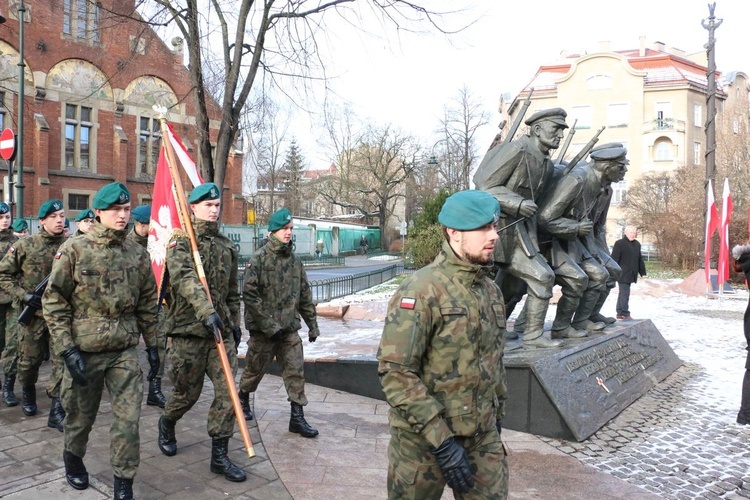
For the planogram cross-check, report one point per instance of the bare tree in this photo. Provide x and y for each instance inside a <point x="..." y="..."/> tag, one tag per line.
<point x="272" y="40"/>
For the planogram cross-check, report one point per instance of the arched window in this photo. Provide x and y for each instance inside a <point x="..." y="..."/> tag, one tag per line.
<point x="663" y="150"/>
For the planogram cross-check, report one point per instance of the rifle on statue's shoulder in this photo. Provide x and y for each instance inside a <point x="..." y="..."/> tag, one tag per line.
<point x="566" y="144"/>
<point x="519" y="117"/>
<point x="583" y="152"/>
<point x="32" y="306"/>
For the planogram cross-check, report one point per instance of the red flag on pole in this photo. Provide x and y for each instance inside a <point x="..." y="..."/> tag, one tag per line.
<point x="712" y="223"/>
<point x="164" y="215"/>
<point x="726" y="216"/>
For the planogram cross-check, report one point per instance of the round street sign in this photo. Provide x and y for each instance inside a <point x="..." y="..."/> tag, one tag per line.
<point x="7" y="144"/>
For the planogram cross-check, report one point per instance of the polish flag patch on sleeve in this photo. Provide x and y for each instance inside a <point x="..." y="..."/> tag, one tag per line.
<point x="408" y="303"/>
<point x="12" y="250"/>
<point x="172" y="243"/>
<point x="58" y="255"/>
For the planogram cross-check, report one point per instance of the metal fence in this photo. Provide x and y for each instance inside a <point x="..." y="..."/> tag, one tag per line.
<point x="328" y="289"/>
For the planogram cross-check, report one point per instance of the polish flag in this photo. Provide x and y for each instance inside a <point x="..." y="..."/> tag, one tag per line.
<point x="712" y="224"/>
<point x="726" y="216"/>
<point x="164" y="212"/>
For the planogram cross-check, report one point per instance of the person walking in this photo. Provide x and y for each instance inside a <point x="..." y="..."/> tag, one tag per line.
<point x="276" y="293"/>
<point x="627" y="253"/>
<point x="741" y="255"/>
<point x="100" y="299"/>
<point x="25" y="266"/>
<point x="194" y="321"/>
<point x="8" y="317"/>
<point x="440" y="363"/>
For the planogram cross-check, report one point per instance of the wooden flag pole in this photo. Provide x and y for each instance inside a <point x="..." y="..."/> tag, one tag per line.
<point x="188" y="225"/>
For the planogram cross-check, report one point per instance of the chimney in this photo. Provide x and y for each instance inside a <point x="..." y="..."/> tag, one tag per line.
<point x="677" y="52"/>
<point x="642" y="49"/>
<point x="659" y="46"/>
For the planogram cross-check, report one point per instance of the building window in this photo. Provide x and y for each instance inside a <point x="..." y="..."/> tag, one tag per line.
<point x="696" y="153"/>
<point x="149" y="143"/>
<point x="584" y="115"/>
<point x="599" y="82"/>
<point x="619" y="192"/>
<point x="618" y="115"/>
<point x="736" y="126"/>
<point x="697" y="113"/>
<point x="82" y="18"/>
<point x="78" y="126"/>
<point x="663" y="150"/>
<point x="78" y="201"/>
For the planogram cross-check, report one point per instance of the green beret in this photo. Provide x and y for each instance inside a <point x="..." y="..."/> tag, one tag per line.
<point x="4" y="208"/>
<point x="554" y="115"/>
<point x="279" y="219"/>
<point x="141" y="214"/>
<point x="20" y="225"/>
<point x="115" y="193"/>
<point x="468" y="210"/>
<point x="85" y="214"/>
<point x="48" y="207"/>
<point x="207" y="191"/>
<point x="609" y="154"/>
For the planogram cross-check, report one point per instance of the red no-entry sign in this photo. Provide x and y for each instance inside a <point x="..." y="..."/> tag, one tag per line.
<point x="8" y="144"/>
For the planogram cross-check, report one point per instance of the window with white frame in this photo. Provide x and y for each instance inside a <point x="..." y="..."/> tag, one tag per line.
<point x="599" y="82"/>
<point x="82" y="19"/>
<point x="663" y="150"/>
<point x="697" y="115"/>
<point x="78" y="136"/>
<point x="618" y="115"/>
<point x="584" y="114"/>
<point x="619" y="192"/>
<point x="696" y="153"/>
<point x="149" y="143"/>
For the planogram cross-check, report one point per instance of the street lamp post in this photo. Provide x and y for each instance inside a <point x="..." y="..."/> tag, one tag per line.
<point x="21" y="91"/>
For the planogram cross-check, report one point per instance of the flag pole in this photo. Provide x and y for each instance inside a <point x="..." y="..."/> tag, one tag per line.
<point x="188" y="225"/>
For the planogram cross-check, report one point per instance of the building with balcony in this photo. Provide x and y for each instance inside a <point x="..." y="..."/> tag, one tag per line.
<point x="93" y="71"/>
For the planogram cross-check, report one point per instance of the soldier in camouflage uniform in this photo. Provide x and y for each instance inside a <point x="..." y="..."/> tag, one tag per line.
<point x="84" y="221"/>
<point x="25" y="266"/>
<point x="20" y="228"/>
<point x="441" y="364"/>
<point x="8" y="315"/>
<point x="276" y="292"/>
<point x="101" y="296"/>
<point x="195" y="322"/>
<point x="141" y="219"/>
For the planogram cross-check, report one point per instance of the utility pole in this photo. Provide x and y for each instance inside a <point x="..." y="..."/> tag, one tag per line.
<point x="711" y="24"/>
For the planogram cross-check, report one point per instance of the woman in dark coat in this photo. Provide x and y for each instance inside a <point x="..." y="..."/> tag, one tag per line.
<point x="741" y="254"/>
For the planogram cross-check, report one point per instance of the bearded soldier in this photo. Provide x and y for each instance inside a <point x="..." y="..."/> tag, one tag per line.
<point x="26" y="264"/>
<point x="100" y="298"/>
<point x="441" y="364"/>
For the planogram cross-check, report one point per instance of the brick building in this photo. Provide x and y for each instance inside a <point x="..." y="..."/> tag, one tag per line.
<point x="93" y="73"/>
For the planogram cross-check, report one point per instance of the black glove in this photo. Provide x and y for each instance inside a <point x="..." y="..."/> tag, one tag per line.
<point x="276" y="337"/>
<point x="213" y="323"/>
<point x="499" y="426"/>
<point x="32" y="300"/>
<point x="76" y="365"/>
<point x="152" y="354"/>
<point x="313" y="335"/>
<point x="237" y="334"/>
<point x="454" y="464"/>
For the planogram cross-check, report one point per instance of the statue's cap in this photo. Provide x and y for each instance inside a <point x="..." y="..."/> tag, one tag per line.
<point x="609" y="154"/>
<point x="554" y="115"/>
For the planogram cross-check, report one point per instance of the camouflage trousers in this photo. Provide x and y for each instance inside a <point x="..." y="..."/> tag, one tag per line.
<point x="9" y="333"/>
<point x="120" y="372"/>
<point x="288" y="353"/>
<point x="33" y="343"/>
<point x="413" y="472"/>
<point x="190" y="359"/>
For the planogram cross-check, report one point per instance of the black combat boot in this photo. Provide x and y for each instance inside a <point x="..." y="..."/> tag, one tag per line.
<point x="123" y="488"/>
<point x="75" y="471"/>
<point x="28" y="404"/>
<point x="298" y="423"/>
<point x="155" y="396"/>
<point x="245" y="403"/>
<point x="9" y="397"/>
<point x="56" y="415"/>
<point x="743" y="417"/>
<point x="220" y="463"/>
<point x="167" y="439"/>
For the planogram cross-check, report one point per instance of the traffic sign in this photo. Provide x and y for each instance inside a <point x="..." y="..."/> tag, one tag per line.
<point x="7" y="144"/>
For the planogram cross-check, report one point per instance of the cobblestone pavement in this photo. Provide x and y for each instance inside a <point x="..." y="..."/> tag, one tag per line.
<point x="680" y="440"/>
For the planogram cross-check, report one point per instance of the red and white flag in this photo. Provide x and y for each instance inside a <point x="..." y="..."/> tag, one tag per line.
<point x="164" y="213"/>
<point x="712" y="224"/>
<point x="726" y="216"/>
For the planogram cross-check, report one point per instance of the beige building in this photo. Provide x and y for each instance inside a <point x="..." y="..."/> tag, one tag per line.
<point x="651" y="99"/>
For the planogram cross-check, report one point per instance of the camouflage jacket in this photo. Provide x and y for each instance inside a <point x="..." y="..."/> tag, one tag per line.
<point x="276" y="292"/>
<point x="101" y="293"/>
<point x="27" y="262"/>
<point x="141" y="240"/>
<point x="441" y="353"/>
<point x="187" y="299"/>
<point x="7" y="238"/>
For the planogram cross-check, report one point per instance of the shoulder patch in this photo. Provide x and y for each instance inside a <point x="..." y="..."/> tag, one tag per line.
<point x="248" y="265"/>
<point x="408" y="303"/>
<point x="12" y="250"/>
<point x="172" y="243"/>
<point x="58" y="255"/>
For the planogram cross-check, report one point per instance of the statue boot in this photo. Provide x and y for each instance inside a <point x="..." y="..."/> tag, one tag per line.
<point x="56" y="415"/>
<point x="533" y="335"/>
<point x="586" y="306"/>
<point x="220" y="463"/>
<point x="75" y="472"/>
<point x="123" y="489"/>
<point x="245" y="404"/>
<point x="167" y="440"/>
<point x="298" y="424"/>
<point x="155" y="396"/>
<point x="596" y="315"/>
<point x="743" y="417"/>
<point x="28" y="403"/>
<point x="561" y="328"/>
<point x="9" y="397"/>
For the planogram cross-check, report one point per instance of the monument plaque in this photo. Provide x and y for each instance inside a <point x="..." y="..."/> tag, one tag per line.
<point x="572" y="392"/>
